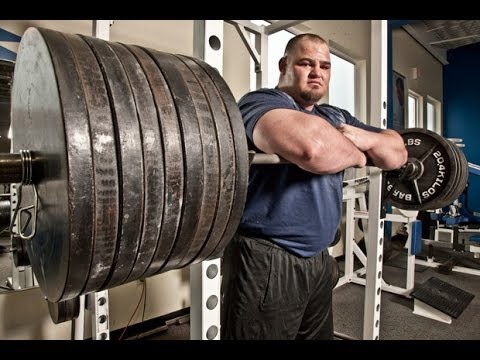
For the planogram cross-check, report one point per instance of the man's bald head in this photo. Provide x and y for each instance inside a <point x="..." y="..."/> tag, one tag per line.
<point x="293" y="42"/>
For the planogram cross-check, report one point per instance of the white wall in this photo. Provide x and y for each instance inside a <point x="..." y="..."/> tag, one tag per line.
<point x="236" y="67"/>
<point x="24" y="316"/>
<point x="170" y="291"/>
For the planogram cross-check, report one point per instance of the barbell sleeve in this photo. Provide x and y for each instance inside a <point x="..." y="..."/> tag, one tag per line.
<point x="10" y="168"/>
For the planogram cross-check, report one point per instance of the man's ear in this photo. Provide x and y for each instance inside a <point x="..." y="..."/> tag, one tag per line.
<point x="282" y="65"/>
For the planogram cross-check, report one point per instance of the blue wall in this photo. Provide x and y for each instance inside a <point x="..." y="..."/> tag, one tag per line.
<point x="461" y="116"/>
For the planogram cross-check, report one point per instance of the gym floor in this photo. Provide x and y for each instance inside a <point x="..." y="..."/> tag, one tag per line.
<point x="397" y="321"/>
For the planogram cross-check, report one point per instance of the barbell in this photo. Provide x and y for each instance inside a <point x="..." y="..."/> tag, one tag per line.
<point x="137" y="162"/>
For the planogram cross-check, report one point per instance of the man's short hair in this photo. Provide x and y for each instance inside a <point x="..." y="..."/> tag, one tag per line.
<point x="292" y="43"/>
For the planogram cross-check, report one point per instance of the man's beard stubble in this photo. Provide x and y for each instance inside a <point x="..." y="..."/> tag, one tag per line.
<point x="311" y="96"/>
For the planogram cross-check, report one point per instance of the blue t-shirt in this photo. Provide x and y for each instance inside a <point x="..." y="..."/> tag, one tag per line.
<point x="294" y="208"/>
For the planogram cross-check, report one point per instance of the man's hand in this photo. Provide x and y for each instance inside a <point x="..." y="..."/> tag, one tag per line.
<point x="384" y="149"/>
<point x="362" y="162"/>
<point x="359" y="137"/>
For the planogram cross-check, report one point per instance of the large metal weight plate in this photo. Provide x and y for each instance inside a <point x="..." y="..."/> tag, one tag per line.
<point x="173" y="159"/>
<point x="140" y="160"/>
<point x="464" y="165"/>
<point x="49" y="117"/>
<point x="436" y="173"/>
<point x="130" y="154"/>
<point x="64" y="310"/>
<point x="226" y="150"/>
<point x="193" y="156"/>
<point x="241" y="156"/>
<point x="106" y="182"/>
<point x="152" y="157"/>
<point x="462" y="176"/>
<point x="208" y="135"/>
<point x="456" y="174"/>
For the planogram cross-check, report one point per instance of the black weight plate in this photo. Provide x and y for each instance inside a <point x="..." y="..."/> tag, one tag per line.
<point x="227" y="158"/>
<point x="64" y="310"/>
<point x="455" y="173"/>
<point x="438" y="160"/>
<point x="152" y="157"/>
<point x="49" y="117"/>
<point x="192" y="152"/>
<point x="465" y="172"/>
<point x="129" y="152"/>
<point x="241" y="156"/>
<point x="173" y="159"/>
<point x="211" y="156"/>
<point x="451" y="193"/>
<point x="338" y="236"/>
<point x="461" y="183"/>
<point x="19" y="253"/>
<point x="448" y="196"/>
<point x="106" y="183"/>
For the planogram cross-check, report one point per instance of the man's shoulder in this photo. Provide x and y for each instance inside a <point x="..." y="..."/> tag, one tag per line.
<point x="332" y="112"/>
<point x="265" y="93"/>
<point x="328" y="107"/>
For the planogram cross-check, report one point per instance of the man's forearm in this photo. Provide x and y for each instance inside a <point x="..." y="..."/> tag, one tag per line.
<point x="388" y="151"/>
<point x="385" y="149"/>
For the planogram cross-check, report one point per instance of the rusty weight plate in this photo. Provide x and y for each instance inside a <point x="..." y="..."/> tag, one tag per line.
<point x="130" y="156"/>
<point x="173" y="159"/>
<point x="241" y="156"/>
<point x="152" y="157"/>
<point x="226" y="152"/>
<point x="192" y="153"/>
<point x="211" y="180"/>
<point x="106" y="182"/>
<point x="64" y="310"/>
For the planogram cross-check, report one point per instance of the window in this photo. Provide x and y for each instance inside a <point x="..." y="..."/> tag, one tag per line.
<point x="412" y="111"/>
<point x="342" y="84"/>
<point x="434" y="121"/>
<point x="430" y="116"/>
<point x="415" y="105"/>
